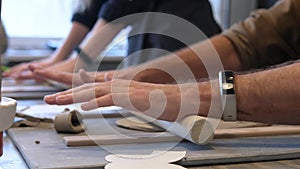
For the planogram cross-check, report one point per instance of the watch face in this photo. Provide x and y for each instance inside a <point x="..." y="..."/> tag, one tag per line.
<point x="227" y="86"/>
<point x="226" y="81"/>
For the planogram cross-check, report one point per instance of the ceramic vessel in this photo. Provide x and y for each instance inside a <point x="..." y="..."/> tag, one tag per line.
<point x="7" y="115"/>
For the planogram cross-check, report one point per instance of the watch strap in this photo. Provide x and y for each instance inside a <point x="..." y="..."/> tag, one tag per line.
<point x="82" y="55"/>
<point x="229" y="107"/>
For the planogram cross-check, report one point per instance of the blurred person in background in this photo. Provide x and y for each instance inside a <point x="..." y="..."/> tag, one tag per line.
<point x="96" y="17"/>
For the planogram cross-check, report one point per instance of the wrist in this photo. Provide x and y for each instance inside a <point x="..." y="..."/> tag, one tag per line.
<point x="243" y="95"/>
<point x="54" y="59"/>
<point x="210" y="104"/>
<point x="83" y="56"/>
<point x="61" y="53"/>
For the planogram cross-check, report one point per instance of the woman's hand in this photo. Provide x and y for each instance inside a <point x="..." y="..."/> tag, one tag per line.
<point x="22" y="71"/>
<point x="74" y="79"/>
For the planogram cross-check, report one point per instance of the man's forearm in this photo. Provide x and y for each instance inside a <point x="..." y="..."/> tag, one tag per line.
<point x="210" y="55"/>
<point x="270" y="96"/>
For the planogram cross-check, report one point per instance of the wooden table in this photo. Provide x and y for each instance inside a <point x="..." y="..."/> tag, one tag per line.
<point x="13" y="159"/>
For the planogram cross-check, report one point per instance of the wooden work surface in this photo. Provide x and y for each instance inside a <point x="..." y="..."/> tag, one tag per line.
<point x="51" y="152"/>
<point x="283" y="144"/>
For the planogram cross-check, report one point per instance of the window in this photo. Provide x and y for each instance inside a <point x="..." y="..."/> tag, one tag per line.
<point x="31" y="24"/>
<point x="37" y="18"/>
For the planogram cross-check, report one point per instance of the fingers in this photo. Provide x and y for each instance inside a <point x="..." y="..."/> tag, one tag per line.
<point x="111" y="93"/>
<point x="24" y="71"/>
<point x="19" y="72"/>
<point x="15" y="70"/>
<point x="51" y="99"/>
<point x="33" y="67"/>
<point x="79" y="94"/>
<point x="157" y="101"/>
<point x="108" y="76"/>
<point x="103" y="101"/>
<point x="63" y="77"/>
<point x="85" y="92"/>
<point x="76" y="97"/>
<point x="23" y="75"/>
<point x="88" y="77"/>
<point x="110" y="99"/>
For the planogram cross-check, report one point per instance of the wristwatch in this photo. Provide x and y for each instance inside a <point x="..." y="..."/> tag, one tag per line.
<point x="228" y="96"/>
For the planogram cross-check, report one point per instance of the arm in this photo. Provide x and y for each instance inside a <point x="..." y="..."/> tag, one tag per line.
<point x="235" y="47"/>
<point x="75" y="36"/>
<point x="211" y="49"/>
<point x="267" y="37"/>
<point x="110" y="24"/>
<point x="84" y="18"/>
<point x="101" y="35"/>
<point x="270" y="96"/>
<point x="144" y="74"/>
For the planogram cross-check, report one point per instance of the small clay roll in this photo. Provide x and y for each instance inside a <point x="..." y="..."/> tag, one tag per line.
<point x="69" y="122"/>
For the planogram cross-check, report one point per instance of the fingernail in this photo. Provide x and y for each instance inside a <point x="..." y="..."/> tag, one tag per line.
<point x="49" y="99"/>
<point x="86" y="107"/>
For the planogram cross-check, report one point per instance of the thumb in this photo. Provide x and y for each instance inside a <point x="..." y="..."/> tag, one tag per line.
<point x="85" y="77"/>
<point x="33" y="67"/>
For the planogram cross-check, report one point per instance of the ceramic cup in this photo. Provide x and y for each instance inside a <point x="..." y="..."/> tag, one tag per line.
<point x="7" y="115"/>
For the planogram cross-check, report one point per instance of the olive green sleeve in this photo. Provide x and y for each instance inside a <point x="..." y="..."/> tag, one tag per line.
<point x="268" y="37"/>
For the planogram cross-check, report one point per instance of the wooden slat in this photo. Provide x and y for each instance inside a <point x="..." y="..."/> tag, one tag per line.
<point x="257" y="131"/>
<point x="120" y="139"/>
<point x="167" y="137"/>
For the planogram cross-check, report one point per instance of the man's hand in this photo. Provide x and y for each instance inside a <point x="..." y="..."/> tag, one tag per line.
<point x="165" y="102"/>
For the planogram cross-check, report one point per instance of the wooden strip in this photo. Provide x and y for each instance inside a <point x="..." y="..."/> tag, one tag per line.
<point x="257" y="131"/>
<point x="167" y="137"/>
<point x="120" y="139"/>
